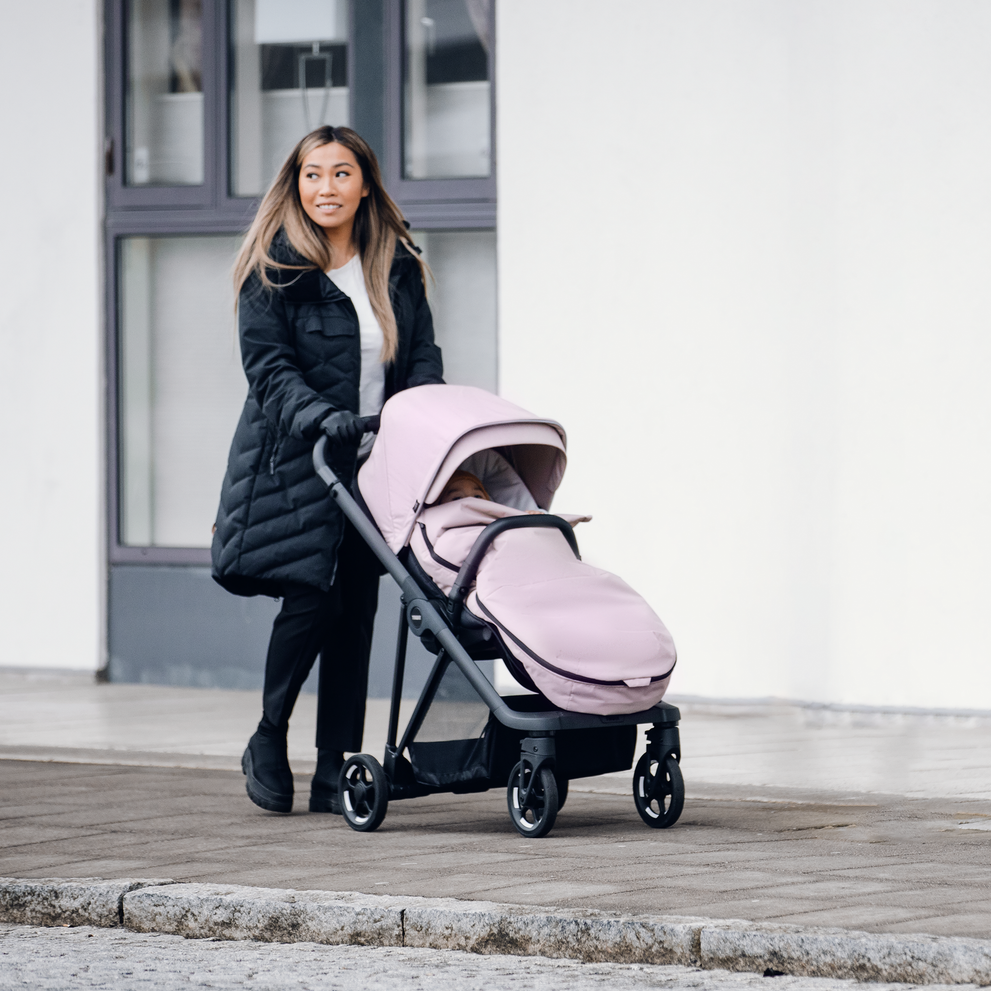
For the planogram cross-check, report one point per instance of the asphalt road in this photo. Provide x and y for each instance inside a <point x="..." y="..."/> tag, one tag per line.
<point x="87" y="959"/>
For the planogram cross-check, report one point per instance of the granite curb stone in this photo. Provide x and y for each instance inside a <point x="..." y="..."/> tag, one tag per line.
<point x="233" y="912"/>
<point x="80" y="901"/>
<point x="576" y="934"/>
<point x="912" y="958"/>
<point x="272" y="915"/>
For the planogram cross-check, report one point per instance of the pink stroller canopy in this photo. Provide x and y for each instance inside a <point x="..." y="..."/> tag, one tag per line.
<point x="428" y="431"/>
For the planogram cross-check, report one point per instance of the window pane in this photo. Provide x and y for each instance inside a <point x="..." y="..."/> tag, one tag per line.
<point x="447" y="118"/>
<point x="181" y="386"/>
<point x="463" y="301"/>
<point x="165" y="93"/>
<point x="290" y="76"/>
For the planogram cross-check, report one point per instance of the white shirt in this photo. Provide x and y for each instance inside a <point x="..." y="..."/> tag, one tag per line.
<point x="350" y="280"/>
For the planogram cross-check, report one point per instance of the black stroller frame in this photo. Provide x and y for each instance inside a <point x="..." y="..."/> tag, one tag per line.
<point x="538" y="783"/>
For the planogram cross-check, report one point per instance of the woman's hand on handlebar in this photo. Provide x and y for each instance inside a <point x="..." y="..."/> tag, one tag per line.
<point x="343" y="427"/>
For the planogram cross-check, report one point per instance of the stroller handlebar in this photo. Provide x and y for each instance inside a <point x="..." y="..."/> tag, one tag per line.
<point x="370" y="425"/>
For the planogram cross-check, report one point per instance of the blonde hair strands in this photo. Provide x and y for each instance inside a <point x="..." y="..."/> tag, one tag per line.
<point x="378" y="226"/>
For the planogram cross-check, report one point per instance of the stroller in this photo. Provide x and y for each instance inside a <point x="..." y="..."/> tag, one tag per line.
<point x="463" y="736"/>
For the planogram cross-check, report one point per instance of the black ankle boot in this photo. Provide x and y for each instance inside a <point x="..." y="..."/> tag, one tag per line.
<point x="266" y="764"/>
<point x="324" y="794"/>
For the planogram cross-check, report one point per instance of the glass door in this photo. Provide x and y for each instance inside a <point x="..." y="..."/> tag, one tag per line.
<point x="204" y="100"/>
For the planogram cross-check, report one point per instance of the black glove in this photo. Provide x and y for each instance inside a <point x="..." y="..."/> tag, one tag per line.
<point x="343" y="427"/>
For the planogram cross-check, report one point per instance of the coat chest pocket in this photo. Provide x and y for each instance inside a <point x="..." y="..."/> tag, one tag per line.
<point x="327" y="321"/>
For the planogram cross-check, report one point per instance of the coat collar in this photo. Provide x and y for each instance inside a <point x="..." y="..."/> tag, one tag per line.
<point x="308" y="285"/>
<point x="311" y="285"/>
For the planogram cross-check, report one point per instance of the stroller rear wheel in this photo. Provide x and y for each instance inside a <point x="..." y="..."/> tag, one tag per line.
<point x="658" y="790"/>
<point x="532" y="800"/>
<point x="364" y="793"/>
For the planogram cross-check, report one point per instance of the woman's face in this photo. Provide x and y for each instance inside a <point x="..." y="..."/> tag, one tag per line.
<point x="331" y="186"/>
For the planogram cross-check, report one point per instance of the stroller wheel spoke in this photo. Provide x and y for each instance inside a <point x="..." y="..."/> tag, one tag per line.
<point x="364" y="788"/>
<point x="658" y="790"/>
<point x="532" y="799"/>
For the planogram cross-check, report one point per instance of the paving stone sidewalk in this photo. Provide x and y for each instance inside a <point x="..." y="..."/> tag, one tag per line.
<point x="868" y="862"/>
<point x="140" y="781"/>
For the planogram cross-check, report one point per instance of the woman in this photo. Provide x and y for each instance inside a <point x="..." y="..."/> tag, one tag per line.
<point x="333" y="319"/>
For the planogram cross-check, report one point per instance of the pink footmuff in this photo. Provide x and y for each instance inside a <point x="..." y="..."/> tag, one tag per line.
<point x="584" y="639"/>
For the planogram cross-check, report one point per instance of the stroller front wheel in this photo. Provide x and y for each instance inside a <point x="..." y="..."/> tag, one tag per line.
<point x="532" y="802"/>
<point x="658" y="790"/>
<point x="364" y="792"/>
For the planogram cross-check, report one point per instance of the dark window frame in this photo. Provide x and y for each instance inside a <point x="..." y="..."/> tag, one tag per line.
<point x="159" y="211"/>
<point x="375" y="79"/>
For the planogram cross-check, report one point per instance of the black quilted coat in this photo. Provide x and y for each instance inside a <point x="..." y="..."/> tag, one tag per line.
<point x="302" y="356"/>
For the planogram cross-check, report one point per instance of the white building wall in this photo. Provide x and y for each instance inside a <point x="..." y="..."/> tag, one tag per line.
<point x="51" y="579"/>
<point x="744" y="250"/>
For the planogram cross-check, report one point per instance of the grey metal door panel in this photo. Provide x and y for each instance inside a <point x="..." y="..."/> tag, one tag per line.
<point x="175" y="626"/>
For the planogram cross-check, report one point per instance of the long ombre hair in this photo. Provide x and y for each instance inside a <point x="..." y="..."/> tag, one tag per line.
<point x="378" y="226"/>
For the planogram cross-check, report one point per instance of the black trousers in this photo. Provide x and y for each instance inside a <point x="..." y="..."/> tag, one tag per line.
<point x="337" y="625"/>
